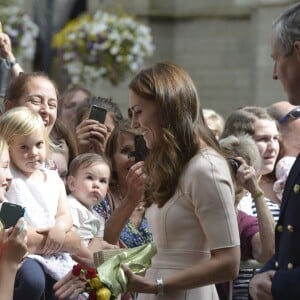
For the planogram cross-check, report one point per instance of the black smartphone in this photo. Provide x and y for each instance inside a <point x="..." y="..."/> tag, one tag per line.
<point x="97" y="113"/>
<point x="141" y="149"/>
<point x="10" y="213"/>
<point x="234" y="164"/>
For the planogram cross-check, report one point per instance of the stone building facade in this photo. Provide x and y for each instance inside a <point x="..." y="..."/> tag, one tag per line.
<point x="223" y="44"/>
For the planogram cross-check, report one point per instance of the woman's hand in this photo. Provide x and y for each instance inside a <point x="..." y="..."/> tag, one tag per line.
<point x="136" y="180"/>
<point x="85" y="262"/>
<point x="69" y="286"/>
<point x="260" y="286"/>
<point x="13" y="243"/>
<point x="138" y="284"/>
<point x="5" y="46"/>
<point x="247" y="177"/>
<point x="91" y="136"/>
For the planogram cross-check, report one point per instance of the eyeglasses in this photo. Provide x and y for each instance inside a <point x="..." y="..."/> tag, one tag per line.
<point x="293" y="114"/>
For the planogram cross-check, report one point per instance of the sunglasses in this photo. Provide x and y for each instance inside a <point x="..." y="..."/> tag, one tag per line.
<point x="293" y="114"/>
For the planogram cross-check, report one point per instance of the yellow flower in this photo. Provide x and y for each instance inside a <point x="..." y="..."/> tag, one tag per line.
<point x="103" y="294"/>
<point x="95" y="283"/>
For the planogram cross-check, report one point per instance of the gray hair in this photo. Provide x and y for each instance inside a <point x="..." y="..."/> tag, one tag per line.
<point x="287" y="29"/>
<point x="242" y="145"/>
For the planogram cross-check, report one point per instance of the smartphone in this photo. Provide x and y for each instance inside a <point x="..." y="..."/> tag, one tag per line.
<point x="141" y="149"/>
<point x="97" y="113"/>
<point x="10" y="213"/>
<point x="234" y="163"/>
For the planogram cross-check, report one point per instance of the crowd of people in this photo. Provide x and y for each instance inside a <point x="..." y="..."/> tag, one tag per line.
<point x="211" y="193"/>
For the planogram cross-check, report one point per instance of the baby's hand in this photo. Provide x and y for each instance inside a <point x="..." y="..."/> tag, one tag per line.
<point x="55" y="239"/>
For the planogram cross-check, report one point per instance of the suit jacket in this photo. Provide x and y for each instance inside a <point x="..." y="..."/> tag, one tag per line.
<point x="286" y="261"/>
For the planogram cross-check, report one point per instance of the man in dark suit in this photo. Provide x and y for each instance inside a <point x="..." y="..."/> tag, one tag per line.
<point x="280" y="277"/>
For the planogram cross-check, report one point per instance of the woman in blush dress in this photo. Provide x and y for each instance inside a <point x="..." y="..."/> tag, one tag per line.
<point x="189" y="192"/>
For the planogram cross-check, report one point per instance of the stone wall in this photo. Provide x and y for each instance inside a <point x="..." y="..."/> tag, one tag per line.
<point x="224" y="45"/>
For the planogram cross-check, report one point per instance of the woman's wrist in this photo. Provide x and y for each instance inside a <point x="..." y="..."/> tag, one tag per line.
<point x="13" y="63"/>
<point x="10" y="57"/>
<point x="258" y="194"/>
<point x="160" y="286"/>
<point x="9" y="265"/>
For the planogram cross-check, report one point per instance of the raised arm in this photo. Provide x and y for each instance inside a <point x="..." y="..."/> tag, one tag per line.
<point x="135" y="180"/>
<point x="6" y="53"/>
<point x="263" y="242"/>
<point x="13" y="248"/>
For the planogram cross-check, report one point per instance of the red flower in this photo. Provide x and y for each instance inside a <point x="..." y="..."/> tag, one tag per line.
<point x="90" y="273"/>
<point x="76" y="270"/>
<point x="92" y="295"/>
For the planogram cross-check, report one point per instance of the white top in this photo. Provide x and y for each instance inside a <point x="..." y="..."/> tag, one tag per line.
<point x="41" y="202"/>
<point x="89" y="223"/>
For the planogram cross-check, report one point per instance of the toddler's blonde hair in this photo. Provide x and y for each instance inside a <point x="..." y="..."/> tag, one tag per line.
<point x="21" y="121"/>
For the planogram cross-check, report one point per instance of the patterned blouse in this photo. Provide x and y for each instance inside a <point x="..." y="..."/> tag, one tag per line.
<point x="130" y="235"/>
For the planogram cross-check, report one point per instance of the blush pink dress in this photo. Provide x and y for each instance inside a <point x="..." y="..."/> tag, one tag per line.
<point x="199" y="217"/>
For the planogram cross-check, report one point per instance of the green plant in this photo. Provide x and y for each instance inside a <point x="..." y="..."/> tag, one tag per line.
<point x="20" y="28"/>
<point x="102" y="45"/>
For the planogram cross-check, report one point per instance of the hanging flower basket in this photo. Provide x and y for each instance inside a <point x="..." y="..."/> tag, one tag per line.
<point x="22" y="31"/>
<point x="102" y="45"/>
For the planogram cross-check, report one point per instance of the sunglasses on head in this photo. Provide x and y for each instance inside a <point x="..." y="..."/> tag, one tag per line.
<point x="293" y="114"/>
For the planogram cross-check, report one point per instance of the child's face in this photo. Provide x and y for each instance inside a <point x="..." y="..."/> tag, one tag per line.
<point x="28" y="153"/>
<point x="90" y="184"/>
<point x="5" y="174"/>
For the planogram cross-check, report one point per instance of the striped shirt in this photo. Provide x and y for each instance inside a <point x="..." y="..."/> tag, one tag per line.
<point x="241" y="283"/>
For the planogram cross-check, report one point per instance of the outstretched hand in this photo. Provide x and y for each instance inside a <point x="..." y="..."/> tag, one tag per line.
<point x="71" y="286"/>
<point x="137" y="283"/>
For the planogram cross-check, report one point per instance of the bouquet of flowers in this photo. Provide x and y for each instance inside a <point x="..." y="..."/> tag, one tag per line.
<point x="102" y="45"/>
<point x="109" y="280"/>
<point x="94" y="287"/>
<point x="22" y="31"/>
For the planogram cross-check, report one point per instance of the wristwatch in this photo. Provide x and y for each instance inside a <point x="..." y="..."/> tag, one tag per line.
<point x="160" y="286"/>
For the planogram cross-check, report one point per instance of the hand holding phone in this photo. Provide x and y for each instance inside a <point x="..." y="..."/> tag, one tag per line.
<point x="141" y="150"/>
<point x="234" y="164"/>
<point x="10" y="213"/>
<point x="97" y="113"/>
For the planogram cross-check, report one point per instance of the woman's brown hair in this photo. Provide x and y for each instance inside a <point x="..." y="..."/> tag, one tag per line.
<point x="183" y="127"/>
<point x="18" y="85"/>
